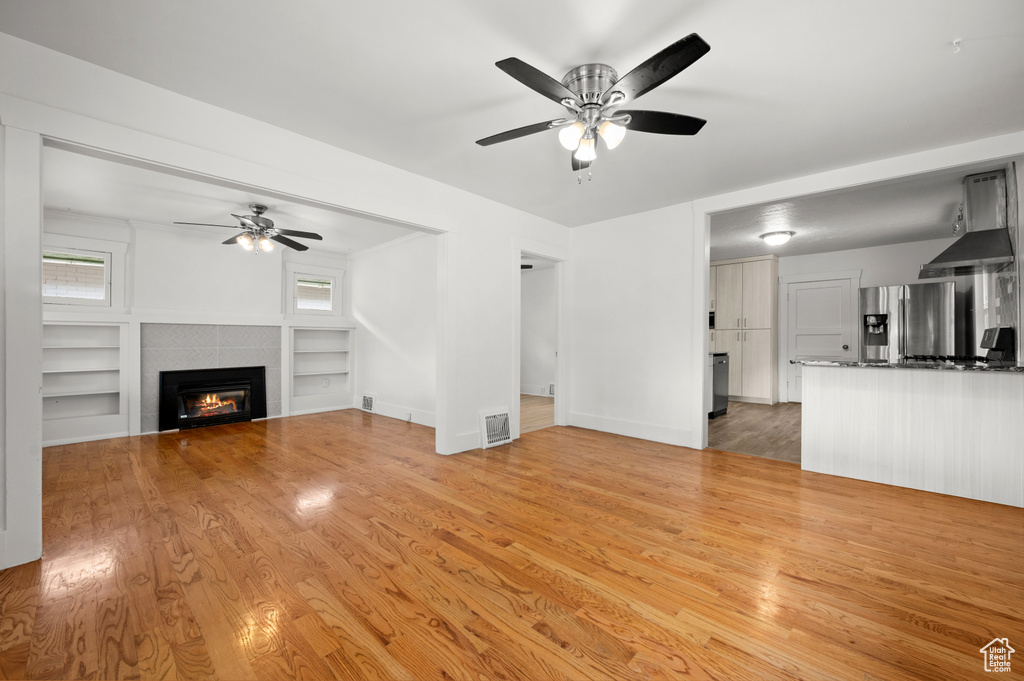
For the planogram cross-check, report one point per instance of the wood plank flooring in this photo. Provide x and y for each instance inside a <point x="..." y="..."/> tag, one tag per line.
<point x="768" y="430"/>
<point x="536" y="412"/>
<point x="338" y="545"/>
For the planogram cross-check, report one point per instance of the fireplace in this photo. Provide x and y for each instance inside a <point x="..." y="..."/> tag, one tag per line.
<point x="211" y="397"/>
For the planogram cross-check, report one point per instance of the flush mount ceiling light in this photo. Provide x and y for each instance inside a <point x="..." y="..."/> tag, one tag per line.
<point x="592" y="94"/>
<point x="777" y="238"/>
<point x="259" y="233"/>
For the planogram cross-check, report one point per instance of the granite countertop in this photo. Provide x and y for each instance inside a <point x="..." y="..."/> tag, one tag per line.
<point x="934" y="366"/>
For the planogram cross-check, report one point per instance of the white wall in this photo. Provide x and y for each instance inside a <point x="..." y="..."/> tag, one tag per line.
<point x="68" y="99"/>
<point x="394" y="303"/>
<point x="631" y="310"/>
<point x="880" y="265"/>
<point x="538" y="332"/>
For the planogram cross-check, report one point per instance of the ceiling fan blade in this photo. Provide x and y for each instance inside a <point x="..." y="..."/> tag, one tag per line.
<point x="537" y="81"/>
<point x="518" y="132"/>
<point x="658" y="68"/>
<point x="289" y="243"/>
<point x="206" y="224"/>
<point x="663" y="123"/>
<point x="246" y="222"/>
<point x="233" y="239"/>
<point x="304" y="235"/>
<point x="578" y="165"/>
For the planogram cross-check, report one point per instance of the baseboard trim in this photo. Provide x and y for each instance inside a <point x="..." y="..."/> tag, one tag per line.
<point x="752" y="400"/>
<point x="403" y="413"/>
<point x="637" y="429"/>
<point x="86" y="438"/>
<point x="538" y="389"/>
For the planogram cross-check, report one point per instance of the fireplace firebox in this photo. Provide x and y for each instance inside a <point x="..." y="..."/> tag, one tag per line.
<point x="210" y="397"/>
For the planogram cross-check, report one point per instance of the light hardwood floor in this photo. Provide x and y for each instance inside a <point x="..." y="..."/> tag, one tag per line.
<point x="771" y="431"/>
<point x="338" y="545"/>
<point x="536" y="412"/>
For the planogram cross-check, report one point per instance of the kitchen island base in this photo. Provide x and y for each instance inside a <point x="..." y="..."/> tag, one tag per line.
<point x="952" y="432"/>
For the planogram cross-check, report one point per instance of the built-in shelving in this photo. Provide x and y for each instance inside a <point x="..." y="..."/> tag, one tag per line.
<point x="319" y="369"/>
<point x="84" y="382"/>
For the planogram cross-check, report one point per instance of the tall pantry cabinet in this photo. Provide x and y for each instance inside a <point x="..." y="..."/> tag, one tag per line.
<point x="745" y="299"/>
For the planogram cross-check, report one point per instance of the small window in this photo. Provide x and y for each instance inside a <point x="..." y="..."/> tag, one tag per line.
<point x="73" y="277"/>
<point x="314" y="293"/>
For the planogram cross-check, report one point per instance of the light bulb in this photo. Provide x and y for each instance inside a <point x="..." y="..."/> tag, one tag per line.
<point x="266" y="244"/>
<point x="776" y="238"/>
<point x="587" y="150"/>
<point x="245" y="241"/>
<point x="611" y="133"/>
<point x="569" y="136"/>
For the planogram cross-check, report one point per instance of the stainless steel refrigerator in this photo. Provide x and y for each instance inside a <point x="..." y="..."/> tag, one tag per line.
<point x="908" y="320"/>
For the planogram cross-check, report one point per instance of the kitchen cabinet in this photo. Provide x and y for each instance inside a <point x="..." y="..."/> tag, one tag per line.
<point x="758" y="286"/>
<point x="729" y="314"/>
<point x="746" y="314"/>
<point x="757" y="366"/>
<point x="712" y="287"/>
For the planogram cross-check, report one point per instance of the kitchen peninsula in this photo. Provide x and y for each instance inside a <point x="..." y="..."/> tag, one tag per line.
<point x="955" y="430"/>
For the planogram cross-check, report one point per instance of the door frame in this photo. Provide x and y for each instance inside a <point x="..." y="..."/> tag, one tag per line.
<point x="852" y="275"/>
<point x="560" y="257"/>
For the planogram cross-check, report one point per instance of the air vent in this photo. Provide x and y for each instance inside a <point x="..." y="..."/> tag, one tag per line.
<point x="495" y="428"/>
<point x="368" y="401"/>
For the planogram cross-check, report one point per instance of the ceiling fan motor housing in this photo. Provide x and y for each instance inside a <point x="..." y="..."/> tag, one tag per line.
<point x="590" y="81"/>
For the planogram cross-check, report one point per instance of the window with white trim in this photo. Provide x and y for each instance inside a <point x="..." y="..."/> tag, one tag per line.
<point x="76" y="277"/>
<point x="314" y="293"/>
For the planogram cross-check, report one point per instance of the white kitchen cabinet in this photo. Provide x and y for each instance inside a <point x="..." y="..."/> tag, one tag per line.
<point x="713" y="287"/>
<point x="729" y="312"/>
<point x="746" y="302"/>
<point x="759" y="284"/>
<point x="757" y="366"/>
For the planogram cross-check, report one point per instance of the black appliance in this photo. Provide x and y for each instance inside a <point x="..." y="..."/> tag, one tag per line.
<point x="999" y="343"/>
<point x="719" y="384"/>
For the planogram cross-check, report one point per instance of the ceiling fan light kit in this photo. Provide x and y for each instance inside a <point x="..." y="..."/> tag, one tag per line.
<point x="592" y="93"/>
<point x="259" y="233"/>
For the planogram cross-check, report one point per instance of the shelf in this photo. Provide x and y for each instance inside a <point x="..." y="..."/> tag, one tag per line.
<point x="298" y="352"/>
<point x="77" y="393"/>
<point x="320" y="373"/>
<point x="79" y="347"/>
<point x="80" y="371"/>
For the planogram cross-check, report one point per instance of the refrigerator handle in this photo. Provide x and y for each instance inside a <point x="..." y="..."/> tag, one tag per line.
<point x="902" y="339"/>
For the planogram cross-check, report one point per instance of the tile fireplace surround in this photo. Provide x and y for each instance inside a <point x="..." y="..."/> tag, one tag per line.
<point x="172" y="347"/>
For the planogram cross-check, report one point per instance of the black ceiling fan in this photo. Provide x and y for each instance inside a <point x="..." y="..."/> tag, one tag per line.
<point x="258" y="232"/>
<point x="592" y="94"/>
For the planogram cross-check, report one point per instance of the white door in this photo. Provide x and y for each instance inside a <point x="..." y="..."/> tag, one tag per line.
<point x="819" y="325"/>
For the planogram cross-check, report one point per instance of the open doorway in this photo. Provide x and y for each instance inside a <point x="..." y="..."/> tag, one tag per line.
<point x="538" y="347"/>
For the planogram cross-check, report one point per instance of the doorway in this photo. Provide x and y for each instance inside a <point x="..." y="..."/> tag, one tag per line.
<point x="538" y="342"/>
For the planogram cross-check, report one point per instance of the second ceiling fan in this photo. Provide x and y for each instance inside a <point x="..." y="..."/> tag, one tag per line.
<point x="593" y="93"/>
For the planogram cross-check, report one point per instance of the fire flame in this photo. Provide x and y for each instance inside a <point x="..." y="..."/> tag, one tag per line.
<point x="212" y="403"/>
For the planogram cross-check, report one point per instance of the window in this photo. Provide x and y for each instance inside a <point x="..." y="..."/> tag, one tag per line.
<point x="76" y="277"/>
<point x="313" y="290"/>
<point x="314" y="293"/>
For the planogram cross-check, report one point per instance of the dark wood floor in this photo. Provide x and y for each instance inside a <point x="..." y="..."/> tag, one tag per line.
<point x="771" y="431"/>
<point x="339" y="545"/>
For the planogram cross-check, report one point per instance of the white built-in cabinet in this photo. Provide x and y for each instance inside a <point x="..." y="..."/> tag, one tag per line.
<point x="85" y="385"/>
<point x="745" y="299"/>
<point x="320" y="361"/>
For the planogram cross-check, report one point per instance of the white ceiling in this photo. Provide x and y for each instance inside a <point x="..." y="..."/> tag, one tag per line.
<point x="87" y="185"/>
<point x="789" y="88"/>
<point x="916" y="208"/>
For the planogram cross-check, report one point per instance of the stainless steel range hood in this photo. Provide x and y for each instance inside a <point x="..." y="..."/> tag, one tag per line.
<point x="985" y="248"/>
